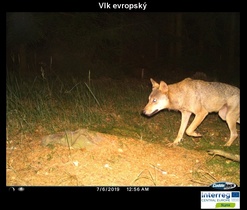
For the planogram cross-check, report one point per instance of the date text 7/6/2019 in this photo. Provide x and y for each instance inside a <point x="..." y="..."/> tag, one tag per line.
<point x="108" y="189"/>
<point x="122" y="189"/>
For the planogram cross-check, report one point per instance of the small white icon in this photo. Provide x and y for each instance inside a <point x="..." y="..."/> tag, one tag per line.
<point x="21" y="189"/>
<point x="12" y="189"/>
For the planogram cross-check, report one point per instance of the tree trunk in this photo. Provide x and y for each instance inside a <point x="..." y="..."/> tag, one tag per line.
<point x="22" y="59"/>
<point x="178" y="28"/>
<point x="231" y="45"/>
<point x="120" y="58"/>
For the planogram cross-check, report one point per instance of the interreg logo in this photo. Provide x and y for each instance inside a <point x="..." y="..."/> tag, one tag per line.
<point x="223" y="185"/>
<point x="220" y="199"/>
<point x="215" y="195"/>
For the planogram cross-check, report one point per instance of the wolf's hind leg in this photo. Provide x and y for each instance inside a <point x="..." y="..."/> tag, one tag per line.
<point x="232" y="118"/>
<point x="199" y="117"/>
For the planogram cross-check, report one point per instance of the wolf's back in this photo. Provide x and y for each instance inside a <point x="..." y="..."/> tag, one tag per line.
<point x="211" y="95"/>
<point x="211" y="88"/>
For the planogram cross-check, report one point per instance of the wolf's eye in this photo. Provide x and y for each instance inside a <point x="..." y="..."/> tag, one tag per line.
<point x="154" y="100"/>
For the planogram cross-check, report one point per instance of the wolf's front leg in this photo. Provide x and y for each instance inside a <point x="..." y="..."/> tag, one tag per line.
<point x="184" y="121"/>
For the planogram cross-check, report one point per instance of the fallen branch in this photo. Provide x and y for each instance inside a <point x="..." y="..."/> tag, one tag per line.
<point x="224" y="154"/>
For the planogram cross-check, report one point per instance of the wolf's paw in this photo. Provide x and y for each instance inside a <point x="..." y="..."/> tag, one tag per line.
<point x="194" y="134"/>
<point x="227" y="144"/>
<point x="172" y="144"/>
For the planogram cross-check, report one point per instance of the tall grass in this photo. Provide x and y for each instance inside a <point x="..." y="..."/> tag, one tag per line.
<point x="57" y="104"/>
<point x="52" y="104"/>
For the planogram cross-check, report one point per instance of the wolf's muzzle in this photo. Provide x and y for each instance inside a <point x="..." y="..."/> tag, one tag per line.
<point x="149" y="114"/>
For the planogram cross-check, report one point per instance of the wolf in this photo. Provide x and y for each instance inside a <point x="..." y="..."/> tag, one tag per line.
<point x="198" y="97"/>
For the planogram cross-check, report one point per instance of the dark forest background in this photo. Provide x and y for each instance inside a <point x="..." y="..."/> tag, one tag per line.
<point x="119" y="44"/>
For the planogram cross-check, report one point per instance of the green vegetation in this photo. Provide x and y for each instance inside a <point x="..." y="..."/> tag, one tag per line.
<point x="44" y="106"/>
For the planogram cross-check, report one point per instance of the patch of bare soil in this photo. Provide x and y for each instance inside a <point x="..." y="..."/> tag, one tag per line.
<point x="109" y="161"/>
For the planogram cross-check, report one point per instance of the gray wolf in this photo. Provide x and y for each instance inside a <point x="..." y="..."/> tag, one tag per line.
<point x="196" y="97"/>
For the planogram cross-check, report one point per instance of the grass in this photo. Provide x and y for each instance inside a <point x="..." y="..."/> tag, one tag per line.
<point x="103" y="105"/>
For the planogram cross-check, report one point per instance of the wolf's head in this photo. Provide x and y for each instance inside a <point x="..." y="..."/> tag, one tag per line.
<point x="158" y="99"/>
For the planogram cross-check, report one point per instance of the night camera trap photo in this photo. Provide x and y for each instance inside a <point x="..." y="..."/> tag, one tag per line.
<point x="122" y="99"/>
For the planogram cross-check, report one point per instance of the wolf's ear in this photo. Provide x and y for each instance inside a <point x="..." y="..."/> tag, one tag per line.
<point x="163" y="87"/>
<point x="155" y="84"/>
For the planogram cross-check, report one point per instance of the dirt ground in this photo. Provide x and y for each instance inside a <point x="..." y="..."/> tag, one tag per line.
<point x="112" y="161"/>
